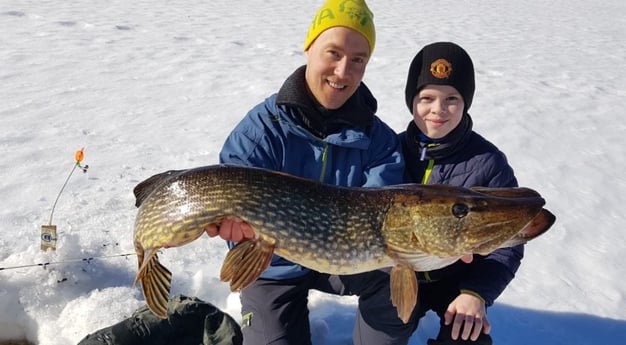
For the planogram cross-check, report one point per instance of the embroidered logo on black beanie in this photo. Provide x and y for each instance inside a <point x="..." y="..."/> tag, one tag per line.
<point x="441" y="63"/>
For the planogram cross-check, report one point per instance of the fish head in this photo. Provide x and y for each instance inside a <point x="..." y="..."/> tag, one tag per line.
<point x="447" y="221"/>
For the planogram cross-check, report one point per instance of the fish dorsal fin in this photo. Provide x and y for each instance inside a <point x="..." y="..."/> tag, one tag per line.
<point x="245" y="263"/>
<point x="144" y="188"/>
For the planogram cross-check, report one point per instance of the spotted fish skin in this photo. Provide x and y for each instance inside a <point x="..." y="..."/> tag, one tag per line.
<point x="330" y="229"/>
<point x="327" y="228"/>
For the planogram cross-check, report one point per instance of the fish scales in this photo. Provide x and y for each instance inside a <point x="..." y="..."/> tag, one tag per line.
<point x="337" y="230"/>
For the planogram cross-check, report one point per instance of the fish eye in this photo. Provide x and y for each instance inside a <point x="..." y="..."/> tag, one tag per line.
<point x="460" y="210"/>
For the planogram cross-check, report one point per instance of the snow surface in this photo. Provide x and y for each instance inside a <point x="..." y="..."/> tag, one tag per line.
<point x="148" y="86"/>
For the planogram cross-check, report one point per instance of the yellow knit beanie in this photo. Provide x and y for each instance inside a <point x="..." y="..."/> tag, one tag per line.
<point x="353" y="14"/>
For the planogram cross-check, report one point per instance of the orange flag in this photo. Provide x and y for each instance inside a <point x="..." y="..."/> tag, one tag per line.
<point x="79" y="155"/>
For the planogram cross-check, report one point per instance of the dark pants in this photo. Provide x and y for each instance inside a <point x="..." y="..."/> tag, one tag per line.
<point x="377" y="321"/>
<point x="276" y="312"/>
<point x="435" y="296"/>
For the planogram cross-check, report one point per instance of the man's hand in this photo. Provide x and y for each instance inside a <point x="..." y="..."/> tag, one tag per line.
<point x="468" y="317"/>
<point x="231" y="229"/>
<point x="467" y="258"/>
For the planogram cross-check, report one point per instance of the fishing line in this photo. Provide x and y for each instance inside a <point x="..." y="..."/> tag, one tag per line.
<point x="87" y="260"/>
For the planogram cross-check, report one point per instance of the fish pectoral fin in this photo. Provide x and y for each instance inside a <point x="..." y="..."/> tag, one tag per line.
<point x="155" y="283"/>
<point x="403" y="291"/>
<point x="245" y="263"/>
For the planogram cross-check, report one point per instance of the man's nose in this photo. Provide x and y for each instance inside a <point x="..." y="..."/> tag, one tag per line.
<point x="342" y="68"/>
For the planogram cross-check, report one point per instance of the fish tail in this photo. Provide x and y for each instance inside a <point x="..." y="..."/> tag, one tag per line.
<point x="155" y="283"/>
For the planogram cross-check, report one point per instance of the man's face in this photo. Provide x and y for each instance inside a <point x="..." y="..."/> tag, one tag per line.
<point x="336" y="63"/>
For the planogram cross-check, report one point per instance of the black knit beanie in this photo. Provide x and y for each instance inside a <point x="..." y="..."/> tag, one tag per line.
<point x="441" y="63"/>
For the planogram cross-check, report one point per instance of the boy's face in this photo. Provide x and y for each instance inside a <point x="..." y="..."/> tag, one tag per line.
<point x="336" y="62"/>
<point x="437" y="110"/>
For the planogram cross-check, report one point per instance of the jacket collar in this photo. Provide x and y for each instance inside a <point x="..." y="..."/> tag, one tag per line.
<point x="357" y="112"/>
<point x="455" y="141"/>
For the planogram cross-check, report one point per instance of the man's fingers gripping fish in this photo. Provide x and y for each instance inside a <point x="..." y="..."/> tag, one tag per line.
<point x="330" y="229"/>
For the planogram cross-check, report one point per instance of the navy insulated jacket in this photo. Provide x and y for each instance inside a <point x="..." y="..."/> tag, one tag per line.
<point x="358" y="150"/>
<point x="465" y="159"/>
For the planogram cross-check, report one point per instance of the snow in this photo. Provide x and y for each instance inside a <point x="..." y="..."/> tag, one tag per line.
<point x="148" y="86"/>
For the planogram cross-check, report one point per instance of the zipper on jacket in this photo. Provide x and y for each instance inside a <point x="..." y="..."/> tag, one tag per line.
<point x="324" y="161"/>
<point x="429" y="170"/>
<point x="431" y="163"/>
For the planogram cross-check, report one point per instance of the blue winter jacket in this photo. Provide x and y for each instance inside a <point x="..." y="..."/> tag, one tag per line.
<point x="350" y="147"/>
<point x="464" y="158"/>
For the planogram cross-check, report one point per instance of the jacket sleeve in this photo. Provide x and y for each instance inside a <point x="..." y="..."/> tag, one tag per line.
<point x="489" y="275"/>
<point x="248" y="144"/>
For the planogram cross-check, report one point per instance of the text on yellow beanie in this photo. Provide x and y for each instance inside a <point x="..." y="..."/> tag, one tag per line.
<point x="353" y="14"/>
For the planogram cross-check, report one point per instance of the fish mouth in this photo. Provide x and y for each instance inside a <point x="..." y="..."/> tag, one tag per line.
<point x="537" y="226"/>
<point x="532" y="203"/>
<point x="495" y="216"/>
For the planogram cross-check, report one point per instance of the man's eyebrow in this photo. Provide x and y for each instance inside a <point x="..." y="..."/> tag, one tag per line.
<point x="363" y="54"/>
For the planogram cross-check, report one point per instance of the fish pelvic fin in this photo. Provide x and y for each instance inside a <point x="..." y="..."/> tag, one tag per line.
<point x="155" y="283"/>
<point x="245" y="262"/>
<point x="403" y="291"/>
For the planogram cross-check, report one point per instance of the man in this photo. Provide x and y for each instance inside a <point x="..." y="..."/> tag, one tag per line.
<point x="320" y="125"/>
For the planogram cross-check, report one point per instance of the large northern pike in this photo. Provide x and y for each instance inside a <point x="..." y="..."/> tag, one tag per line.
<point x="330" y="229"/>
